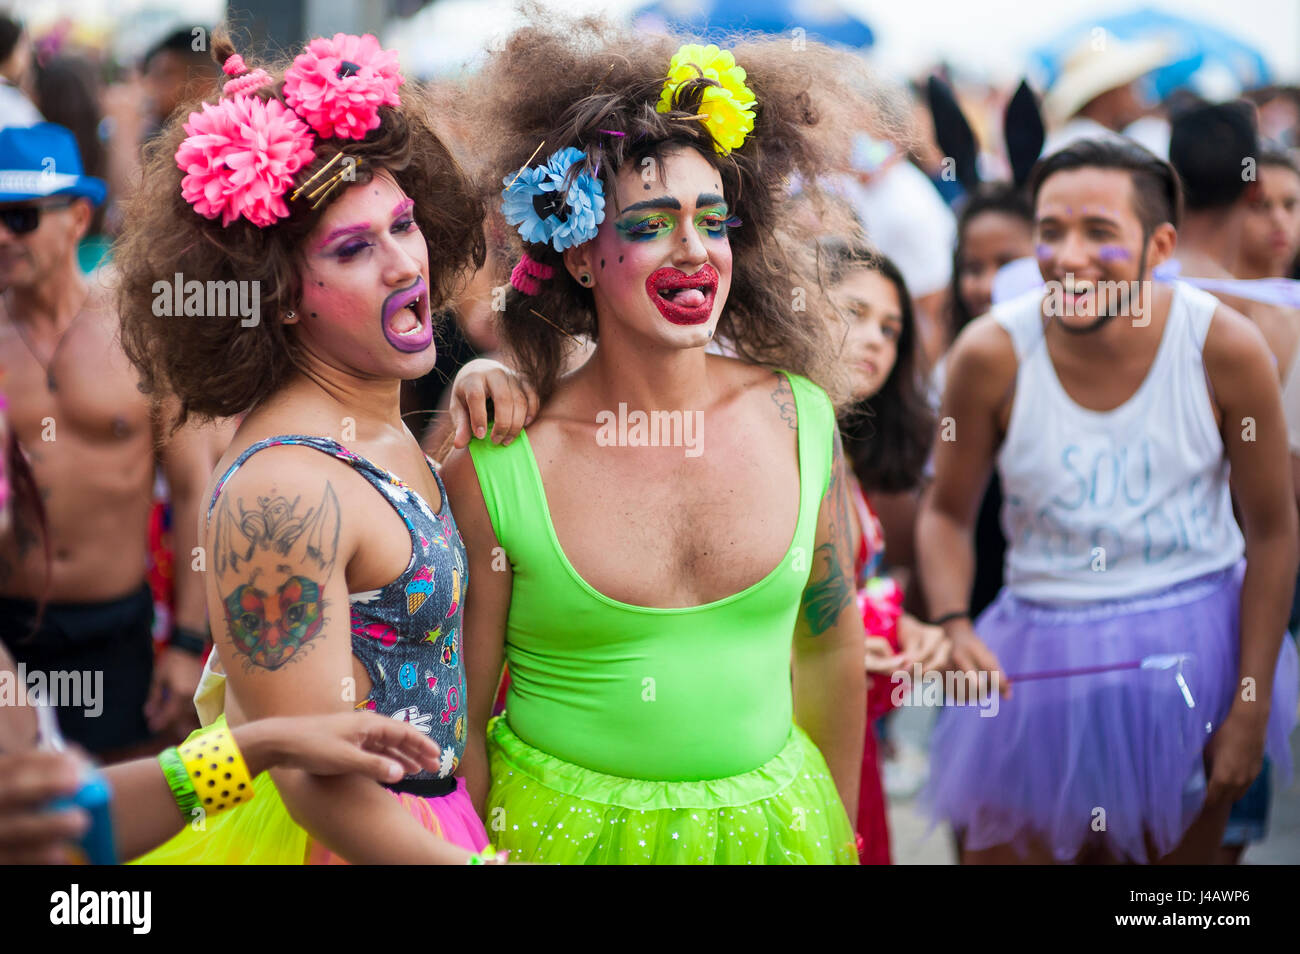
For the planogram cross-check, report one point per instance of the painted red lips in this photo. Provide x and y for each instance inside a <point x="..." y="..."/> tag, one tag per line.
<point x="683" y="299"/>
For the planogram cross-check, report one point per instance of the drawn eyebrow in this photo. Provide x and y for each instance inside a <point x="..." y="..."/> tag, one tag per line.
<point x="404" y="206"/>
<point x="346" y="230"/>
<point x="709" y="198"/>
<point x="663" y="202"/>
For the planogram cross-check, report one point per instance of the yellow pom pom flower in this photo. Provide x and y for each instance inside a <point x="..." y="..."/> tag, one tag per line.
<point x="728" y="108"/>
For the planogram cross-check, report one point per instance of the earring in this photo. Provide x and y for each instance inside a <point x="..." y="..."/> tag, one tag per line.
<point x="585" y="279"/>
<point x="290" y="316"/>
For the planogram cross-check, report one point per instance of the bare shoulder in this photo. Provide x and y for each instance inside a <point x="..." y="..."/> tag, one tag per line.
<point x="1232" y="336"/>
<point x="1236" y="354"/>
<point x="759" y="388"/>
<point x="982" y="362"/>
<point x="280" y="492"/>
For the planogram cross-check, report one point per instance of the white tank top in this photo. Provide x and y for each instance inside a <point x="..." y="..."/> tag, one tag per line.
<point x="1102" y="505"/>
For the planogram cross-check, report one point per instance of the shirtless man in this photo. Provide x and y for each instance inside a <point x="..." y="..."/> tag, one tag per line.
<point x="1114" y="436"/>
<point x="93" y="444"/>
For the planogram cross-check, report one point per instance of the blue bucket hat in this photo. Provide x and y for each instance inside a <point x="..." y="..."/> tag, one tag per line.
<point x="43" y="160"/>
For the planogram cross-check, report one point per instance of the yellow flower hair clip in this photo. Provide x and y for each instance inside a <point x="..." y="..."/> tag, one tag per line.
<point x="727" y="109"/>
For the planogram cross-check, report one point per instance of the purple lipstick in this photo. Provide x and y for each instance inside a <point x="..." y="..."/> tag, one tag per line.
<point x="406" y="320"/>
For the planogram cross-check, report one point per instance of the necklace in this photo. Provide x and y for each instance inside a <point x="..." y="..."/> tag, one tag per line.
<point x="48" y="365"/>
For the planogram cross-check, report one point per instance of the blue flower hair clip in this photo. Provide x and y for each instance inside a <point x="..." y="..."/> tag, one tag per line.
<point x="536" y="200"/>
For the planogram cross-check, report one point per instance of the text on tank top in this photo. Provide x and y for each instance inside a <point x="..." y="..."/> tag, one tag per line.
<point x="1113" y="504"/>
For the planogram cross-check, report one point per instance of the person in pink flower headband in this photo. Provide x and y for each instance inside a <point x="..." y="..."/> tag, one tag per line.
<point x="284" y="259"/>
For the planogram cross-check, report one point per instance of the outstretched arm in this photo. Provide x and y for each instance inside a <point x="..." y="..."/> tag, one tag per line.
<point x="144" y="810"/>
<point x="830" y="689"/>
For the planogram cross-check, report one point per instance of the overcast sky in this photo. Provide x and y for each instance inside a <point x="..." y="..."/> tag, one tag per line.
<point x="990" y="37"/>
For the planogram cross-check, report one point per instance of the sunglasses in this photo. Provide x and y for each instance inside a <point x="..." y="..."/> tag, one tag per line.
<point x="22" y="219"/>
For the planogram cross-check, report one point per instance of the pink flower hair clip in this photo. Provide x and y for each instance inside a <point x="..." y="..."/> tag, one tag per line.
<point x="337" y="85"/>
<point x="242" y="80"/>
<point x="240" y="158"/>
<point x="528" y="275"/>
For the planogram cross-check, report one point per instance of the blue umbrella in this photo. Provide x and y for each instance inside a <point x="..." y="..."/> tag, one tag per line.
<point x="1194" y="46"/>
<point x="712" y="20"/>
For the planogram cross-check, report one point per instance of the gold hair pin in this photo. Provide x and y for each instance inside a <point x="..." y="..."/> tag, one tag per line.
<point x="554" y="325"/>
<point x="525" y="165"/>
<point x="322" y="191"/>
<point x="316" y="175"/>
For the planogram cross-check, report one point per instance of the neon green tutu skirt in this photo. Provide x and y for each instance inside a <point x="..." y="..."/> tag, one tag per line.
<point x="545" y="810"/>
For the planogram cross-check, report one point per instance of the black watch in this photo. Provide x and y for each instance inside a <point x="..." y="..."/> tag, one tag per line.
<point x="193" y="641"/>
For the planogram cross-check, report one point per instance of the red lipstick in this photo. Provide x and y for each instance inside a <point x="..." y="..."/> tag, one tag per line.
<point x="683" y="299"/>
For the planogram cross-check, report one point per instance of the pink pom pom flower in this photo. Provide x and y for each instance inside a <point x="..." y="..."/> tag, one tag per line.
<point x="240" y="158"/>
<point x="338" y="85"/>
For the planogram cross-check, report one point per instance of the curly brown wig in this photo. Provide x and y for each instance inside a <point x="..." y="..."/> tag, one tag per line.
<point x="581" y="82"/>
<point x="217" y="367"/>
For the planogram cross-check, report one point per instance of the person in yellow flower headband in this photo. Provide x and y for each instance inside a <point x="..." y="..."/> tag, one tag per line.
<point x="670" y="531"/>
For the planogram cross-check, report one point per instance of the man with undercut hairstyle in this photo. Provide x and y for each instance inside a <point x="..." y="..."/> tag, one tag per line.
<point x="75" y="599"/>
<point x="1136" y="651"/>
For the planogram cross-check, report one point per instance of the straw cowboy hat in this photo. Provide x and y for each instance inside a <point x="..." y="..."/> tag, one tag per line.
<point x="1098" y="64"/>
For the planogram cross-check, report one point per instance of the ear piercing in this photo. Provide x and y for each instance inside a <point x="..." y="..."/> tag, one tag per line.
<point x="585" y="279"/>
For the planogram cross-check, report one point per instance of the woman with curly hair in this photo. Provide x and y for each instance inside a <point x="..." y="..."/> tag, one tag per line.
<point x="336" y="574"/>
<point x="648" y="573"/>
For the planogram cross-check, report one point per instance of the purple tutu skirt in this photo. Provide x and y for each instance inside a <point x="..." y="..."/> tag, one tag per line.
<point x="1128" y="743"/>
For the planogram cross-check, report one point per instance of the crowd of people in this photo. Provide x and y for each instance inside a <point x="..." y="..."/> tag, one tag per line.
<point x="501" y="470"/>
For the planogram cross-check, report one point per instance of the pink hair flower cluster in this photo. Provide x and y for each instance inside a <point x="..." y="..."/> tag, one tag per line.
<point x="240" y="158"/>
<point x="337" y="85"/>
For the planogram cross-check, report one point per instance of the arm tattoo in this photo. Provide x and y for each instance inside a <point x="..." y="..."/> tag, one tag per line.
<point x="783" y="398"/>
<point x="824" y="600"/>
<point x="274" y="607"/>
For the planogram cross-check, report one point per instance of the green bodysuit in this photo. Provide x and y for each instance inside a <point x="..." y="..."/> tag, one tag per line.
<point x="671" y="694"/>
<point x="635" y="735"/>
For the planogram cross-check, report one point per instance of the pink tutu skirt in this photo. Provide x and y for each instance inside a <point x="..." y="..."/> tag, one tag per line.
<point x="451" y="817"/>
<point x="261" y="832"/>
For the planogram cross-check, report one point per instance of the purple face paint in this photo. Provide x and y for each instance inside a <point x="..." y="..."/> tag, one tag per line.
<point x="1113" y="253"/>
<point x="1042" y="251"/>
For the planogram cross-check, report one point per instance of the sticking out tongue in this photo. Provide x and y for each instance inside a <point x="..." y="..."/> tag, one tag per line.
<point x="686" y="297"/>
<point x="404" y="322"/>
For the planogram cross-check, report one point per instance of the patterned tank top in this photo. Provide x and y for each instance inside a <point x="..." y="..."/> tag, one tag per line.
<point x="407" y="634"/>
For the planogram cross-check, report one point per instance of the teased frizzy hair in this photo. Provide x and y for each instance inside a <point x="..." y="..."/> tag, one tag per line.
<point x="214" y="366"/>
<point x="582" y="82"/>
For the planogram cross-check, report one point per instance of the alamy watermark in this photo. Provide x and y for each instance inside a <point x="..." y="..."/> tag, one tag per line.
<point x="62" y="689"/>
<point x="1117" y="299"/>
<point x="951" y="688"/>
<point x="211" y="299"/>
<point x="651" y="429"/>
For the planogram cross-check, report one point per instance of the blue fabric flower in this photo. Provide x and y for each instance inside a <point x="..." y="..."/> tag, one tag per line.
<point x="543" y="213"/>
